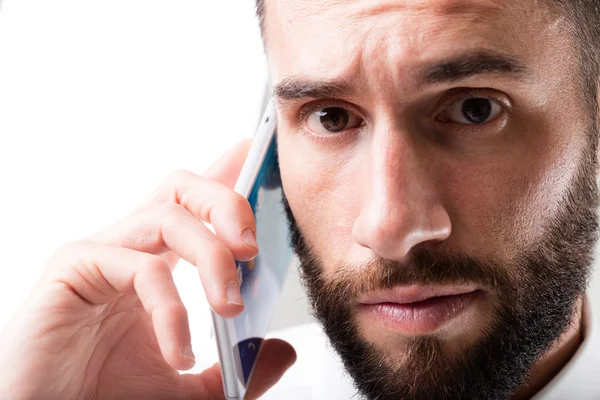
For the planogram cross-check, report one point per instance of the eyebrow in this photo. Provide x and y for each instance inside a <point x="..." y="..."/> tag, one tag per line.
<point x="297" y="88"/>
<point x="447" y="71"/>
<point x="481" y="62"/>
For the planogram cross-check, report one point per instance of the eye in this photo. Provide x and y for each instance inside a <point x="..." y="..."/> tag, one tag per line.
<point x="332" y="120"/>
<point x="473" y="110"/>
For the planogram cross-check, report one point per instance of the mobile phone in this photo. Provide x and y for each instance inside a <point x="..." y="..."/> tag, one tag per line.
<point x="239" y="339"/>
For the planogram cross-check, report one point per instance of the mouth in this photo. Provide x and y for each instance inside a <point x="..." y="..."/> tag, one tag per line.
<point x="418" y="309"/>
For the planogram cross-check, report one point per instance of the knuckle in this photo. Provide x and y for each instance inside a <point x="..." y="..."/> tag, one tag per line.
<point x="176" y="307"/>
<point x="155" y="265"/>
<point x="239" y="202"/>
<point x="232" y="204"/>
<point x="171" y="216"/>
<point x="170" y="210"/>
<point x="167" y="190"/>
<point x="218" y="254"/>
<point x="148" y="272"/>
<point x="65" y="256"/>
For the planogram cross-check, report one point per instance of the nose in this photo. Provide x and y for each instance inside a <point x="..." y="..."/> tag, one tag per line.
<point x="400" y="207"/>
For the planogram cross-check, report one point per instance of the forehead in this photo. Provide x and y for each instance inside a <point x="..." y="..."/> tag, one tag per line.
<point x="342" y="38"/>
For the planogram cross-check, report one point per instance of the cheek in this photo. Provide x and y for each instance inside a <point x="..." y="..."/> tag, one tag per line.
<point x="321" y="189"/>
<point x="500" y="205"/>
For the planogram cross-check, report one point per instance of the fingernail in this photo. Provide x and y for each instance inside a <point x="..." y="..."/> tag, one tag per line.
<point x="188" y="354"/>
<point x="232" y="292"/>
<point x="249" y="237"/>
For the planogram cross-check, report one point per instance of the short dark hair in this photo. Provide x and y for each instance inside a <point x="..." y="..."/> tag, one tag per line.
<point x="583" y="18"/>
<point x="260" y="13"/>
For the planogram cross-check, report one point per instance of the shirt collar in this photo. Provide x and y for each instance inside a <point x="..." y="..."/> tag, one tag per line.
<point x="580" y="377"/>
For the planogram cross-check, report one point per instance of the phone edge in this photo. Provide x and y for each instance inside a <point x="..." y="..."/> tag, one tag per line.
<point x="224" y="329"/>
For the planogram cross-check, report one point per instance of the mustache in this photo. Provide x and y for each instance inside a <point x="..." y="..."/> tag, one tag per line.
<point x="424" y="266"/>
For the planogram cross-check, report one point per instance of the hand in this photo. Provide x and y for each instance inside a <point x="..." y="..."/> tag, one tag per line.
<point x="105" y="320"/>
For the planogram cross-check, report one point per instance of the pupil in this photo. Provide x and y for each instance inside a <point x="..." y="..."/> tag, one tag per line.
<point x="477" y="110"/>
<point x="334" y="119"/>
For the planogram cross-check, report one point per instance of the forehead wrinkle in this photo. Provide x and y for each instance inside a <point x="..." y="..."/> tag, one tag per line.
<point x="411" y="43"/>
<point x="447" y="7"/>
<point x="390" y="46"/>
<point x="464" y="13"/>
<point x="294" y="12"/>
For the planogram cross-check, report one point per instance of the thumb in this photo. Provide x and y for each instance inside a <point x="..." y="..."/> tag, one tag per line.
<point x="275" y="357"/>
<point x="226" y="169"/>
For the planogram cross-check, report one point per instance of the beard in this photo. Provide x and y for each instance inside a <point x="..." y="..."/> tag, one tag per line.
<point x="536" y="297"/>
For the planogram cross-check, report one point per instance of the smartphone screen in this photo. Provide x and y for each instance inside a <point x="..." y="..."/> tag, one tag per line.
<point x="263" y="277"/>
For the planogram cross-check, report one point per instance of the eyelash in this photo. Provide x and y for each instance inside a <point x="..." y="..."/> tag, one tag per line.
<point x="447" y="100"/>
<point x="467" y="93"/>
<point x="306" y="110"/>
<point x="309" y="108"/>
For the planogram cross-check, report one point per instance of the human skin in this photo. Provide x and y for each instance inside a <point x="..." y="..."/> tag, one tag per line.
<point x="105" y="320"/>
<point x="407" y="175"/>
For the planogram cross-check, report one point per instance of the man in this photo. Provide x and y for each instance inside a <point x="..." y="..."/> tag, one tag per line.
<point x="439" y="161"/>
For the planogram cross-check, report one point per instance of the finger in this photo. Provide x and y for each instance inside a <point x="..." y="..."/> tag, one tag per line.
<point x="170" y="258"/>
<point x="229" y="213"/>
<point x="206" y="385"/>
<point x="170" y="227"/>
<point x="100" y="274"/>
<point x="276" y="357"/>
<point x="226" y="169"/>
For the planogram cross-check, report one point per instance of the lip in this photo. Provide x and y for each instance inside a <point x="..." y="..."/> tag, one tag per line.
<point x="414" y="293"/>
<point x="418" y="309"/>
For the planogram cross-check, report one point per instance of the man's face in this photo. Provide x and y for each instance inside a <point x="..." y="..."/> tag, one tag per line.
<point x="437" y="162"/>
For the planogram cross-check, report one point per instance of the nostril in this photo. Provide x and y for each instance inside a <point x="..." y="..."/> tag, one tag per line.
<point x="396" y="241"/>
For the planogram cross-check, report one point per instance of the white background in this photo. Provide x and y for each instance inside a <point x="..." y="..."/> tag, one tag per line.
<point x="99" y="102"/>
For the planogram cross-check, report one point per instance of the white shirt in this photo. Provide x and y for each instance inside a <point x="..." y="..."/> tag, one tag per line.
<point x="319" y="374"/>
